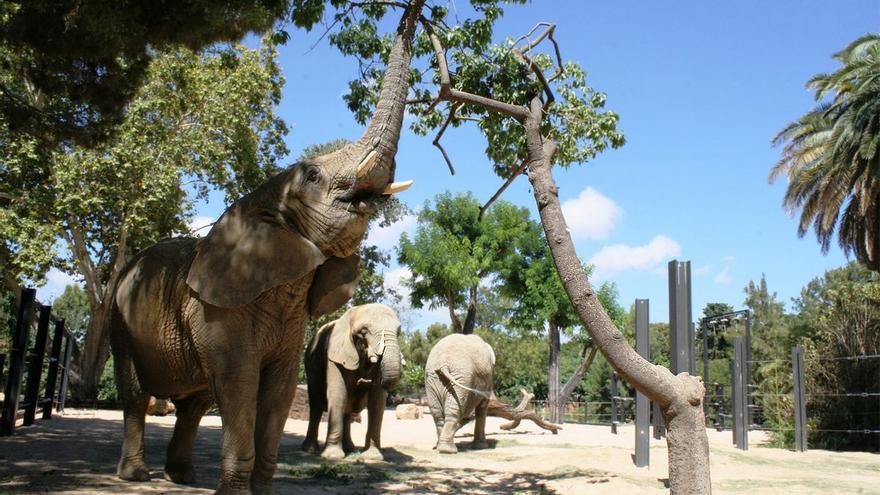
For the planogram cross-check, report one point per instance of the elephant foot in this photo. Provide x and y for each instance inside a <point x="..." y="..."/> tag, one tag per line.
<point x="133" y="470"/>
<point x="333" y="452"/>
<point x="310" y="446"/>
<point x="447" y="448"/>
<point x="348" y="448"/>
<point x="262" y="487"/>
<point x="479" y="444"/>
<point x="181" y="473"/>
<point x="372" y="454"/>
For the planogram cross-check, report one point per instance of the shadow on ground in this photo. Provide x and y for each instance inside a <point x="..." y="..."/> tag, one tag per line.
<point x="79" y="455"/>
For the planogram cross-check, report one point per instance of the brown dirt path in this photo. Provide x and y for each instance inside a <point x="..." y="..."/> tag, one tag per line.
<point x="77" y="453"/>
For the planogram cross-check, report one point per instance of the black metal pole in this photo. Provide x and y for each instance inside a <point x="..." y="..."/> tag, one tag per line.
<point x="680" y="316"/>
<point x="704" y="329"/>
<point x="747" y="372"/>
<point x="800" y="402"/>
<point x="65" y="372"/>
<point x="35" y="367"/>
<point x="16" y="361"/>
<point x="52" y="378"/>
<point x="740" y="406"/>
<point x="614" y="402"/>
<point x="719" y="407"/>
<point x="643" y="405"/>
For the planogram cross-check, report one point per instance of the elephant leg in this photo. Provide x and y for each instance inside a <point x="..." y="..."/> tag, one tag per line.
<point x="277" y="389"/>
<point x="336" y="412"/>
<point x="178" y="461"/>
<point x="451" y="424"/>
<point x="132" y="466"/>
<point x="375" y="413"/>
<point x="310" y="444"/>
<point x="235" y="389"/>
<point x="347" y="442"/>
<point x="480" y="426"/>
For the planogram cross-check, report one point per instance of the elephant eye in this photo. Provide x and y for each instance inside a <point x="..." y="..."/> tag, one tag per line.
<point x="313" y="175"/>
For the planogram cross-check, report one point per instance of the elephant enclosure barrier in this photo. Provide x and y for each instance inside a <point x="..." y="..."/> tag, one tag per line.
<point x="39" y="370"/>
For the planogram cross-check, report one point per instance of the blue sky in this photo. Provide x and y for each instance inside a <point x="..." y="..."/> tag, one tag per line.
<point x="701" y="88"/>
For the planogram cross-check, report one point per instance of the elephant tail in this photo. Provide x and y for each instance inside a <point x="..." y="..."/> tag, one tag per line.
<point x="444" y="372"/>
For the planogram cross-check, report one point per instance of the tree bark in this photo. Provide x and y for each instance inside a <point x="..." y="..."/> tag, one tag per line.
<point x="554" y="404"/>
<point x="456" y="323"/>
<point x="679" y="397"/>
<point x="470" y="319"/>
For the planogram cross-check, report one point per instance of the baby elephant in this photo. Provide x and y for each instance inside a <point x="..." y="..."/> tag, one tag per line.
<point x="459" y="382"/>
<point x="351" y="363"/>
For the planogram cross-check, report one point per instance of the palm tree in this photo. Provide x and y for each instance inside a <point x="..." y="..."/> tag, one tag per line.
<point x="831" y="155"/>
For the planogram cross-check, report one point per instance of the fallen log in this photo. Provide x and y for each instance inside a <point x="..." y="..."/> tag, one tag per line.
<point x="520" y="412"/>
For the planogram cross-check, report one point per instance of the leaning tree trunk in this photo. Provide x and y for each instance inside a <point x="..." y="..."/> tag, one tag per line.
<point x="470" y="320"/>
<point x="516" y="414"/>
<point x="96" y="349"/>
<point x="680" y="397"/>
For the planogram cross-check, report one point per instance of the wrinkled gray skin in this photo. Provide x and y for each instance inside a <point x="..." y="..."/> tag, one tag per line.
<point x="224" y="317"/>
<point x="455" y="362"/>
<point x="352" y="363"/>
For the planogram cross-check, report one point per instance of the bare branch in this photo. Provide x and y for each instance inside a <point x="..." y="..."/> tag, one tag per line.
<point x="453" y="108"/>
<point x="516" y="173"/>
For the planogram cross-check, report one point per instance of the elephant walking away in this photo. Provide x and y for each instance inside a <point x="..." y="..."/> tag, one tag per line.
<point x="459" y="384"/>
<point x="223" y="318"/>
<point x="352" y="363"/>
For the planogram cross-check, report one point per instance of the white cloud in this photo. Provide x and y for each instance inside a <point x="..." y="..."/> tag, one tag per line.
<point x="591" y="215"/>
<point x="703" y="270"/>
<point x="200" y="225"/>
<point x="728" y="259"/>
<point x="388" y="237"/>
<point x="620" y="257"/>
<point x="724" y="277"/>
<point x="56" y="281"/>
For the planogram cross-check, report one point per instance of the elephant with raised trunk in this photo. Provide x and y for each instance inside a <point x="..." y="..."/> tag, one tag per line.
<point x="459" y="383"/>
<point x="352" y="363"/>
<point x="224" y="317"/>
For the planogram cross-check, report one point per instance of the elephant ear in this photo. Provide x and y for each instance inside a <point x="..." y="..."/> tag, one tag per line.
<point x="249" y="251"/>
<point x="333" y="285"/>
<point x="341" y="349"/>
<point x="491" y="354"/>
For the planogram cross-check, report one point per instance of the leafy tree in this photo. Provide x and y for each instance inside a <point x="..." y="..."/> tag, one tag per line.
<point x="73" y="306"/>
<point x="839" y="317"/>
<point x="198" y="122"/>
<point x="70" y="67"/>
<point x="453" y="251"/>
<point x="830" y="155"/>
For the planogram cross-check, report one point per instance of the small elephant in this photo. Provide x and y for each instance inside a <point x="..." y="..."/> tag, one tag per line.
<point x="459" y="383"/>
<point x="352" y="363"/>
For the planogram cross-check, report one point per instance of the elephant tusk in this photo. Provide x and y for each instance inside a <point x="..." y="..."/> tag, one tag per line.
<point x="397" y="187"/>
<point x="367" y="163"/>
<point x="373" y="359"/>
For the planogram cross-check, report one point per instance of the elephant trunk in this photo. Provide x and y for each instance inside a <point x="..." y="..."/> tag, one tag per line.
<point x="375" y="151"/>
<point x="389" y="367"/>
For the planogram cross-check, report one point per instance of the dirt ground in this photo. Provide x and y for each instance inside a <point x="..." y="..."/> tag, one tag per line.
<point x="77" y="453"/>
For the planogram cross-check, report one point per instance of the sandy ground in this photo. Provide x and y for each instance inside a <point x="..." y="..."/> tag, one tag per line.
<point x="77" y="453"/>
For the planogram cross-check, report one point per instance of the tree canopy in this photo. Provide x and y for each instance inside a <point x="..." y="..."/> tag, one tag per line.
<point x="830" y="155"/>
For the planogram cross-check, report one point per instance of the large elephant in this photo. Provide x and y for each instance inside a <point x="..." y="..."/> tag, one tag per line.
<point x="351" y="363"/>
<point x="459" y="382"/>
<point x="224" y="317"/>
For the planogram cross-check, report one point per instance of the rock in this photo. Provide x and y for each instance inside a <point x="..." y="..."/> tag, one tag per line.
<point x="159" y="407"/>
<point x="300" y="407"/>
<point x="408" y="411"/>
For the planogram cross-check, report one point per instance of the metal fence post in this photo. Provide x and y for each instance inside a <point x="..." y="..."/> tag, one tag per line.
<point x="35" y="367"/>
<point x="657" y="420"/>
<point x="643" y="405"/>
<point x="65" y="373"/>
<point x="16" y="361"/>
<point x="740" y="402"/>
<point x="680" y="316"/>
<point x="800" y="399"/>
<point x="614" y="402"/>
<point x="2" y="363"/>
<point x="719" y="406"/>
<point x="52" y="378"/>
